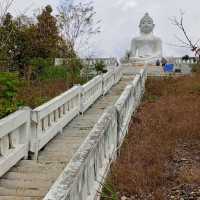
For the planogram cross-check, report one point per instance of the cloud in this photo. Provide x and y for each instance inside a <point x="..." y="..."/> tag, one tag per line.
<point x="126" y="4"/>
<point x="120" y="20"/>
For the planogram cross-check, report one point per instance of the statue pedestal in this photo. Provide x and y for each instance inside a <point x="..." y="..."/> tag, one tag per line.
<point x="142" y="61"/>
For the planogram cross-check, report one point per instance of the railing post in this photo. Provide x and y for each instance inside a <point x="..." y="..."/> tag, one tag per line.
<point x="27" y="130"/>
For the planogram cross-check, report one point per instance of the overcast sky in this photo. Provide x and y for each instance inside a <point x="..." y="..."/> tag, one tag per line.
<point x="120" y="19"/>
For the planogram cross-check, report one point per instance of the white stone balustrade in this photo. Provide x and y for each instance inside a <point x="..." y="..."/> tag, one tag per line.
<point x="14" y="139"/>
<point x="89" y="61"/>
<point x="118" y="73"/>
<point x="108" y="81"/>
<point x="91" y="91"/>
<point x="83" y="177"/>
<point x="32" y="130"/>
<point x="106" y="61"/>
<point x="128" y="103"/>
<point x="179" y="61"/>
<point x="49" y="119"/>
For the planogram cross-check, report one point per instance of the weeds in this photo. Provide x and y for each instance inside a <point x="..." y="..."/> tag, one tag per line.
<point x="165" y="127"/>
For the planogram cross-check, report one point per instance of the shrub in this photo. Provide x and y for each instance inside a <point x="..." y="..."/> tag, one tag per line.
<point x="38" y="66"/>
<point x="74" y="68"/>
<point x="8" y="107"/>
<point x="8" y="85"/>
<point x="100" y="67"/>
<point x="54" y="73"/>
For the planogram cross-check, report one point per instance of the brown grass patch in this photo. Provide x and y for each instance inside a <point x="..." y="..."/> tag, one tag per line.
<point x="162" y="149"/>
<point x="40" y="92"/>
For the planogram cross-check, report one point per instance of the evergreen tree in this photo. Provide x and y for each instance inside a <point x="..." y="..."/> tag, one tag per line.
<point x="47" y="40"/>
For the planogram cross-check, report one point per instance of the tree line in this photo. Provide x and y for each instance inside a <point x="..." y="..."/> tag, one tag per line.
<point x="26" y="41"/>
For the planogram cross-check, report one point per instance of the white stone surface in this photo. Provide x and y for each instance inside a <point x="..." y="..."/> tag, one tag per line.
<point x="86" y="172"/>
<point x="90" y="164"/>
<point x="14" y="139"/>
<point x="146" y="47"/>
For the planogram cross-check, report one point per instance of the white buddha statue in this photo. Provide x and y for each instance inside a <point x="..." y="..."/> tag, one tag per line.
<point x="146" y="47"/>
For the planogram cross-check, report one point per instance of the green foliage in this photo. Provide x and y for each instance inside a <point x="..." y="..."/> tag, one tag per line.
<point x="39" y="66"/>
<point x="100" y="67"/>
<point x="26" y="40"/>
<point x="108" y="192"/>
<point x="47" y="33"/>
<point x="8" y="85"/>
<point x="54" y="73"/>
<point x="8" y="107"/>
<point x="74" y="66"/>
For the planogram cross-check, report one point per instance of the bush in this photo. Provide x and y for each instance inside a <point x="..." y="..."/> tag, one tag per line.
<point x="100" y="67"/>
<point x="38" y="66"/>
<point x="8" y="107"/>
<point x="8" y="85"/>
<point x="54" y="73"/>
<point x="74" y="66"/>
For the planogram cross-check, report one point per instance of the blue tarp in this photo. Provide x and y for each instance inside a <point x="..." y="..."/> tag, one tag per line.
<point x="168" y="68"/>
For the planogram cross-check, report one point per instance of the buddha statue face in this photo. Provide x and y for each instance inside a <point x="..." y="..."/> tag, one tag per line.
<point x="146" y="24"/>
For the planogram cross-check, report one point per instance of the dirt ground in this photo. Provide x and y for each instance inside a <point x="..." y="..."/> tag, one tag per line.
<point x="160" y="158"/>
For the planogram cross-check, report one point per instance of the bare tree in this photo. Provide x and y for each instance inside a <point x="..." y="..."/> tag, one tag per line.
<point x="77" y="23"/>
<point x="187" y="42"/>
<point x="4" y="7"/>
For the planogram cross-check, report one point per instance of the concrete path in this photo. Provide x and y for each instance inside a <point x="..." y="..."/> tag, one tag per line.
<point x="155" y="70"/>
<point x="29" y="180"/>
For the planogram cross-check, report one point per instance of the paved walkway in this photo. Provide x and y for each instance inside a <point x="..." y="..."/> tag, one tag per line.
<point x="29" y="180"/>
<point x="155" y="70"/>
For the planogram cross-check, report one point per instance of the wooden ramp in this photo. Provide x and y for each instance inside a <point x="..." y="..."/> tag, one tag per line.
<point x="29" y="180"/>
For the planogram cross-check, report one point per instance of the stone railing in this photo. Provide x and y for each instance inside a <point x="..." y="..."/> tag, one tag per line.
<point x="106" y="61"/>
<point x="14" y="139"/>
<point x="118" y="72"/>
<point x="49" y="119"/>
<point x="90" y="61"/>
<point x="108" y="81"/>
<point x="91" y="91"/>
<point x="34" y="129"/>
<point x="83" y="177"/>
<point x="179" y="61"/>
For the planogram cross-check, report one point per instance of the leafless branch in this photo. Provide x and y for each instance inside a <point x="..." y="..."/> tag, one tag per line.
<point x="4" y="7"/>
<point x="77" y="23"/>
<point x="187" y="42"/>
<point x="178" y="45"/>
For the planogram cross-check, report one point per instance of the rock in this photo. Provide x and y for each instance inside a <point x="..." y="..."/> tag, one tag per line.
<point x="124" y="198"/>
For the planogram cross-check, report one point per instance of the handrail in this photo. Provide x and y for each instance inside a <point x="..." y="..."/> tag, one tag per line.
<point x="14" y="139"/>
<point x="85" y="173"/>
<point x="50" y="118"/>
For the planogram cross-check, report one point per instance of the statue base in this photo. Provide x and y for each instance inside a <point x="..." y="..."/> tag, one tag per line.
<point x="142" y="61"/>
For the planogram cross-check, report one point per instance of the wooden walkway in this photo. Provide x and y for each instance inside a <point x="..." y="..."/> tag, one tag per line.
<point x="29" y="180"/>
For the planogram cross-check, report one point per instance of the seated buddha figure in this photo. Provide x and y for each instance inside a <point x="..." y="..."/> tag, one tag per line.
<point x="146" y="47"/>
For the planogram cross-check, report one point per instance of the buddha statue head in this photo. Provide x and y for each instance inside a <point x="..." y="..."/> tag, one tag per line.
<point x="146" y="24"/>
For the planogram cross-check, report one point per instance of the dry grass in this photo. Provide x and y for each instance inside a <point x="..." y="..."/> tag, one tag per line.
<point x="40" y="92"/>
<point x="163" y="135"/>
